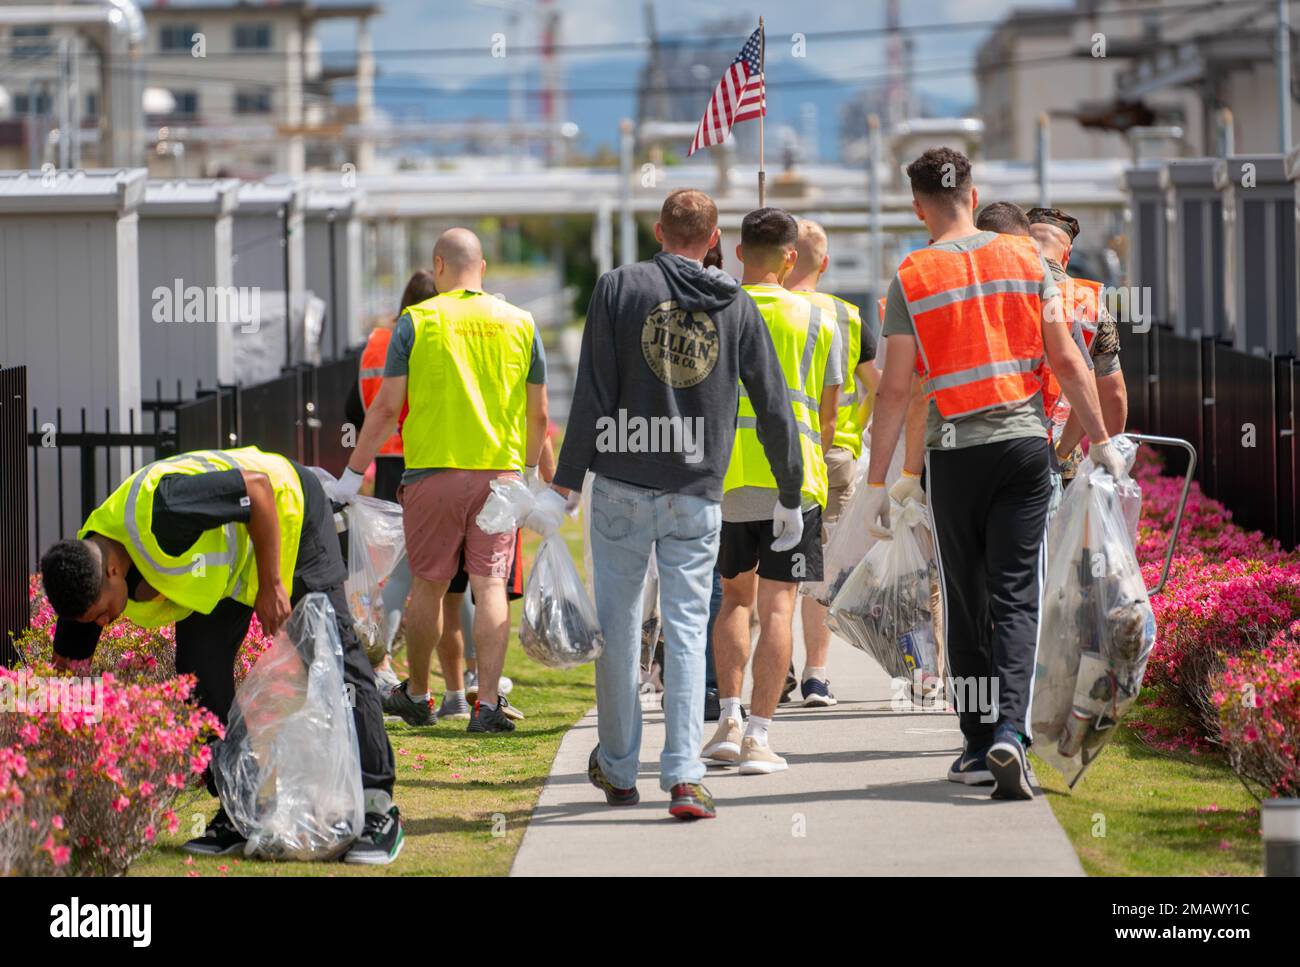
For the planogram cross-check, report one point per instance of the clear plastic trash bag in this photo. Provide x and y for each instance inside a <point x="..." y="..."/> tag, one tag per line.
<point x="507" y="506"/>
<point x="883" y="608"/>
<point x="559" y="626"/>
<point x="376" y="544"/>
<point x="848" y="545"/>
<point x="288" y="771"/>
<point x="1096" y="627"/>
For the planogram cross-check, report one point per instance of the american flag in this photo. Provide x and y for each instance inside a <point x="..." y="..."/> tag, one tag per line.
<point x="738" y="97"/>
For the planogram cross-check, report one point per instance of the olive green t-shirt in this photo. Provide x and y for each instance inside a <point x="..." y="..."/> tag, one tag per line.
<point x="989" y="426"/>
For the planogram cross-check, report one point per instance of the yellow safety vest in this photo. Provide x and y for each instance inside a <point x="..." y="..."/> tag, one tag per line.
<point x="803" y="345"/>
<point x="221" y="563"/>
<point x="467" y="383"/>
<point x="848" y="425"/>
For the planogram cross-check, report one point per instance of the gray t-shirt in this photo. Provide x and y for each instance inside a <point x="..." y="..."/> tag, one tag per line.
<point x="990" y="426"/>
<point x="756" y="503"/>
<point x="398" y="363"/>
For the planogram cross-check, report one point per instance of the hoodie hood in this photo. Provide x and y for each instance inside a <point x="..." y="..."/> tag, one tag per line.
<point x="696" y="288"/>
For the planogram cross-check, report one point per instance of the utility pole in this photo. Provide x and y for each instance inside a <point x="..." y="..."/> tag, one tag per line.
<point x="875" y="158"/>
<point x="626" y="220"/>
<point x="1044" y="152"/>
<point x="1283" y="61"/>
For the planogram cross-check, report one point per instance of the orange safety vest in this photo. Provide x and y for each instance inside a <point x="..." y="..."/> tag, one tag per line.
<point x="978" y="318"/>
<point x="1081" y="298"/>
<point x="372" y="375"/>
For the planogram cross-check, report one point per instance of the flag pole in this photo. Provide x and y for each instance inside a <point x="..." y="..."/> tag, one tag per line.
<point x="762" y="70"/>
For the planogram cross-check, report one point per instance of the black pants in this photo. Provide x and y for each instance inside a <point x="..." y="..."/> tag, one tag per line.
<point x="206" y="644"/>
<point x="388" y="476"/>
<point x="989" y="508"/>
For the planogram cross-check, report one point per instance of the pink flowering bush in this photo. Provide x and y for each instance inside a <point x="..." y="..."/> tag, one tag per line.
<point x="89" y="768"/>
<point x="1232" y="597"/>
<point x="1258" y="700"/>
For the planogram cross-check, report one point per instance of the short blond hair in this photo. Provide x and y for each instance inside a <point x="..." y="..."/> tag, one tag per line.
<point x="811" y="246"/>
<point x="688" y="217"/>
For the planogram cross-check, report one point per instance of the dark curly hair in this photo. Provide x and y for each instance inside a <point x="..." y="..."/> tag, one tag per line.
<point x="940" y="173"/>
<point x="72" y="576"/>
<point x="1002" y="217"/>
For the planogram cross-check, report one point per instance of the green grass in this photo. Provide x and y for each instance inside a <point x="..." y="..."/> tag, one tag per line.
<point x="1141" y="812"/>
<point x="465" y="799"/>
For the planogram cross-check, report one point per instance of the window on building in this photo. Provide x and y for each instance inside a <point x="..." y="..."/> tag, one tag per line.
<point x="177" y="38"/>
<point x="252" y="36"/>
<point x="92" y="105"/>
<point x="256" y="100"/>
<point x="187" y="104"/>
<point x="30" y="41"/>
<point x="26" y="104"/>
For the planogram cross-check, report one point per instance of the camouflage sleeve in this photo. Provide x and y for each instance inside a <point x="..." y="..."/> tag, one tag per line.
<point x="1106" y="342"/>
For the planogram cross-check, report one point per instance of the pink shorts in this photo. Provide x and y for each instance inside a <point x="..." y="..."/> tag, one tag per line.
<point x="438" y="518"/>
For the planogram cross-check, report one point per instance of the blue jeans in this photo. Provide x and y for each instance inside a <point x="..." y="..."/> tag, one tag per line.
<point x="715" y="605"/>
<point x="626" y="521"/>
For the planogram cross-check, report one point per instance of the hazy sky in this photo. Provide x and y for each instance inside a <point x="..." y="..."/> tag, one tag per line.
<point x="410" y="26"/>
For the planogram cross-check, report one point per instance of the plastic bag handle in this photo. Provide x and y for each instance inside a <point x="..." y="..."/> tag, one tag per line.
<point x="1170" y="441"/>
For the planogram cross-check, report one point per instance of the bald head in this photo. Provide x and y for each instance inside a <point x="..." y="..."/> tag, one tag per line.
<point x="811" y="261"/>
<point x="458" y="260"/>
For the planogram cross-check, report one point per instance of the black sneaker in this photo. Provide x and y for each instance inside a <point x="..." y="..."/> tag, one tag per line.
<point x="791" y="683"/>
<point x="692" y="801"/>
<point x="1009" y="766"/>
<point x="380" y="841"/>
<point x="490" y="718"/>
<point x="613" y="794"/>
<point x="971" y="769"/>
<point x="712" y="707"/>
<point x="219" y="839"/>
<point x="399" y="702"/>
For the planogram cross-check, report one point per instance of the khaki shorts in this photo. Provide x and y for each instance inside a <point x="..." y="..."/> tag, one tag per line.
<point x="438" y="514"/>
<point x="841" y="471"/>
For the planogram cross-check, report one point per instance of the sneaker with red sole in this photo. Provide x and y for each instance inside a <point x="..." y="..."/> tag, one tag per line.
<point x="613" y="794"/>
<point x="692" y="801"/>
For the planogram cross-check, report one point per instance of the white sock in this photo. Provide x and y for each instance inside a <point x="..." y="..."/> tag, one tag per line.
<point x="418" y="698"/>
<point x="757" y="729"/>
<point x="814" y="672"/>
<point x="457" y="695"/>
<point x="730" y="709"/>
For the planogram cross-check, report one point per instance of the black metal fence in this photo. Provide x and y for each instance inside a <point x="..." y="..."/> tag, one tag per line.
<point x="1238" y="410"/>
<point x="14" y="609"/>
<point x="75" y="465"/>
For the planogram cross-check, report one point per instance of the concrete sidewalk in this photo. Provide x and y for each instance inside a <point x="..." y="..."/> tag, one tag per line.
<point x="865" y="794"/>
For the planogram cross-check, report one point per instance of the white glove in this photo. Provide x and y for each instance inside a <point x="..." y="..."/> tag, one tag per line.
<point x="908" y="488"/>
<point x="876" y="500"/>
<point x="787" y="527"/>
<point x="547" y="514"/>
<point x="350" y="482"/>
<point x="1108" y="458"/>
<point x="533" y="478"/>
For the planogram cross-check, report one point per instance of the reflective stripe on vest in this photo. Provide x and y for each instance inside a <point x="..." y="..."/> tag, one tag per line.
<point x="467" y="385"/>
<point x="802" y="338"/>
<point x="978" y="321"/>
<point x="848" y="423"/>
<point x="373" y="359"/>
<point x="1081" y="301"/>
<point x="221" y="563"/>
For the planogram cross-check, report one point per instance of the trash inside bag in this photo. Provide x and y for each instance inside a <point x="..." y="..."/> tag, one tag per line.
<point x="559" y="626"/>
<point x="288" y="771"/>
<point x="848" y="545"/>
<point x="376" y="543"/>
<point x="1096" y="629"/>
<point x="507" y="506"/>
<point x="883" y="608"/>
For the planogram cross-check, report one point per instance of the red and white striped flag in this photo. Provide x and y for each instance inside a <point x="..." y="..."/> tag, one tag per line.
<point x="739" y="96"/>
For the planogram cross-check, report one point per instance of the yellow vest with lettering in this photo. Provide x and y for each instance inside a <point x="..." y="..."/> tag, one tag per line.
<point x="802" y="337"/>
<point x="221" y="563"/>
<point x="848" y="419"/>
<point x="467" y="383"/>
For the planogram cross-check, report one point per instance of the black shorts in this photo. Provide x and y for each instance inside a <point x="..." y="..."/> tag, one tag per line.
<point x="514" y="584"/>
<point x="748" y="544"/>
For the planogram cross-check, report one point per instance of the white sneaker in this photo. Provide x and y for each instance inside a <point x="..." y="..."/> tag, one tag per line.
<point x="725" y="744"/>
<point x="757" y="759"/>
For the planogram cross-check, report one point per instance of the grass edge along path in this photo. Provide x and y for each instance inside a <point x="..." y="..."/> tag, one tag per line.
<point x="1142" y="812"/>
<point x="465" y="799"/>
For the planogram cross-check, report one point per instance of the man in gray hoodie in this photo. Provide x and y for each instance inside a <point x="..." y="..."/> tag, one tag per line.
<point x="665" y="350"/>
